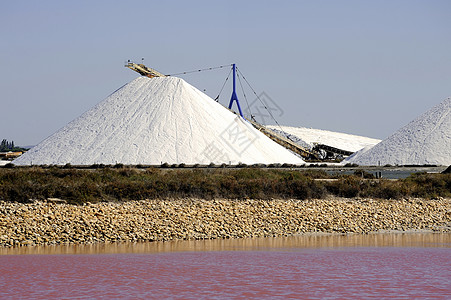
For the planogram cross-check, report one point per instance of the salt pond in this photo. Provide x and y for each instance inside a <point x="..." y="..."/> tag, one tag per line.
<point x="311" y="266"/>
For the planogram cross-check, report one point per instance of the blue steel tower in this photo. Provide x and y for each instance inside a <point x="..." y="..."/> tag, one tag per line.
<point x="234" y="97"/>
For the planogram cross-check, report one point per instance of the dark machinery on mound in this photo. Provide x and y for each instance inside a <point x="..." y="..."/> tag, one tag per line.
<point x="326" y="152"/>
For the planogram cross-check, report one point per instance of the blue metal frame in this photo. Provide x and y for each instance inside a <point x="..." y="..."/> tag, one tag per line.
<point x="234" y="97"/>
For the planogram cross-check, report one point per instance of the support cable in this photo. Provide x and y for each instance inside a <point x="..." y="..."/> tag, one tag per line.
<point x="264" y="105"/>
<point x="217" y="97"/>
<point x="199" y="70"/>
<point x="244" y="94"/>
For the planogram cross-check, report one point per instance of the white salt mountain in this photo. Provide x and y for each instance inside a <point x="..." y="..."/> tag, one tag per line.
<point x="153" y="121"/>
<point x="425" y="140"/>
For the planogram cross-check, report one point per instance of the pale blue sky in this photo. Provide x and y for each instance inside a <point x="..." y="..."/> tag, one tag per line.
<point x="361" y="67"/>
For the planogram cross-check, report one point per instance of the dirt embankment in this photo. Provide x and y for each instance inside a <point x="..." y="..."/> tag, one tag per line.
<point x="49" y="223"/>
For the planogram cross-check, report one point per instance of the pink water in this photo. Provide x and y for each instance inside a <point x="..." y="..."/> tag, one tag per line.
<point x="387" y="266"/>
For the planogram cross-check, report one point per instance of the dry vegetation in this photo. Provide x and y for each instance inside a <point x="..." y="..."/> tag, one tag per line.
<point x="120" y="184"/>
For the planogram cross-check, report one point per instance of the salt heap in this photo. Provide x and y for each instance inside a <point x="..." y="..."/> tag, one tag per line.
<point x="153" y="121"/>
<point x="425" y="140"/>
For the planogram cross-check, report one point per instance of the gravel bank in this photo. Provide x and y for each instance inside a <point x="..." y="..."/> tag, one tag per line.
<point x="49" y="223"/>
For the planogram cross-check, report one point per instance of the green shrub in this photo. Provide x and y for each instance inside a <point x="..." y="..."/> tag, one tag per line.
<point x="105" y="184"/>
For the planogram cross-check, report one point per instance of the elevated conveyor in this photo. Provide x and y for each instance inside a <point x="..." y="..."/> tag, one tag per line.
<point x="143" y="70"/>
<point x="283" y="141"/>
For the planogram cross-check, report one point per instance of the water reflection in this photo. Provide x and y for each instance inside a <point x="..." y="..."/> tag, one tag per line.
<point x="254" y="244"/>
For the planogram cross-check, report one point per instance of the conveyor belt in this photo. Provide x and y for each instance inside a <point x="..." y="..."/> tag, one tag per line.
<point x="143" y="70"/>
<point x="281" y="140"/>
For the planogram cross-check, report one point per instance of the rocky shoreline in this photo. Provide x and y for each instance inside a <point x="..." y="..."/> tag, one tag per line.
<point x="53" y="223"/>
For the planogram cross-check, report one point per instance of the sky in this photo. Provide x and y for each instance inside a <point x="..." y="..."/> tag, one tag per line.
<point x="359" y="67"/>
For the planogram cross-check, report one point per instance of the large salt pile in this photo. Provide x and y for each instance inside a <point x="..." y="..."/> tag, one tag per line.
<point x="425" y="140"/>
<point x="153" y="121"/>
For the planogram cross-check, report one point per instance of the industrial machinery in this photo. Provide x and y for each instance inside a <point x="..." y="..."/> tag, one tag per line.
<point x="285" y="142"/>
<point x="326" y="152"/>
<point x="143" y="70"/>
<point x="281" y="140"/>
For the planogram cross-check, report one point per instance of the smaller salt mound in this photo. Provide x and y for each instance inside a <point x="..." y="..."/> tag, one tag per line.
<point x="344" y="141"/>
<point x="424" y="141"/>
